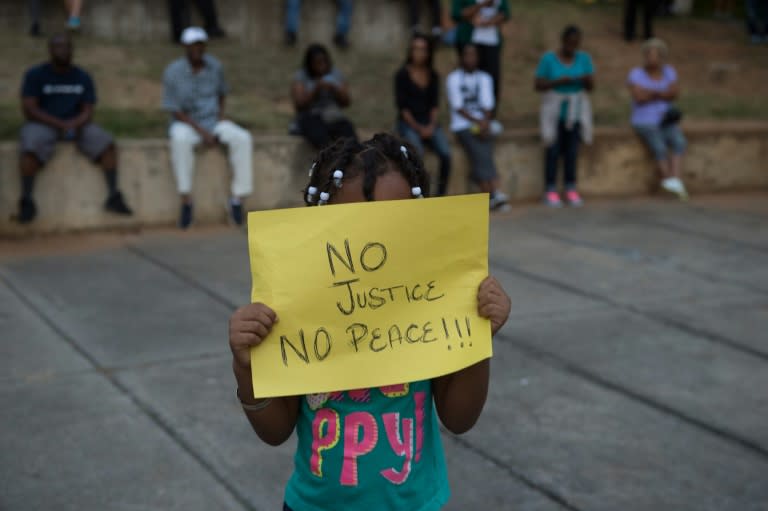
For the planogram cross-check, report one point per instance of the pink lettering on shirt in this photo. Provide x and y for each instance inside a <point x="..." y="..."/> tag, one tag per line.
<point x="323" y="439"/>
<point x="402" y="446"/>
<point x="355" y="444"/>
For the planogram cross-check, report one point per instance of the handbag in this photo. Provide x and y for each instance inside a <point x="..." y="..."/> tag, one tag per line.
<point x="672" y="116"/>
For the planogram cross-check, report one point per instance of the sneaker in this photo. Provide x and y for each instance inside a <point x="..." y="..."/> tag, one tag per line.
<point x="341" y="42"/>
<point x="236" y="213"/>
<point x="73" y="23"/>
<point x="290" y="39"/>
<point x="674" y="185"/>
<point x="27" y="210"/>
<point x="552" y="199"/>
<point x="498" y="200"/>
<point x="116" y="204"/>
<point x="573" y="198"/>
<point x="185" y="218"/>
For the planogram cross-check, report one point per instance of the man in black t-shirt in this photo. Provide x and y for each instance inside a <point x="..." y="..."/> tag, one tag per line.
<point x="57" y="98"/>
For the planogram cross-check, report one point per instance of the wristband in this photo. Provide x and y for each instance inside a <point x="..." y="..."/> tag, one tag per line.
<point x="259" y="405"/>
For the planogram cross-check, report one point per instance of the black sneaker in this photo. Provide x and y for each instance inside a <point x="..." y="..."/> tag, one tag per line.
<point x="290" y="39"/>
<point x="341" y="42"/>
<point x="185" y="219"/>
<point x="117" y="205"/>
<point x="27" y="210"/>
<point x="236" y="214"/>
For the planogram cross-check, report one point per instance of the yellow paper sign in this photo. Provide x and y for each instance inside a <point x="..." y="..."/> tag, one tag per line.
<point x="369" y="294"/>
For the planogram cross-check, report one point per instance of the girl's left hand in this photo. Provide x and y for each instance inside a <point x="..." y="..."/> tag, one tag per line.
<point x="493" y="303"/>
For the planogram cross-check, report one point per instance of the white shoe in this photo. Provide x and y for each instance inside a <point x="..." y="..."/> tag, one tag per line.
<point x="498" y="200"/>
<point x="674" y="185"/>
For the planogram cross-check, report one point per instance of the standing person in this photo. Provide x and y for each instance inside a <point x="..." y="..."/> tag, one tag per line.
<point x="653" y="87"/>
<point x="319" y="93"/>
<point x="435" y="8"/>
<point x="564" y="77"/>
<point x="331" y="476"/>
<point x="194" y="92"/>
<point x="470" y="95"/>
<point x="417" y="91"/>
<point x="479" y="23"/>
<point x="757" y="20"/>
<point x="180" y="18"/>
<point x="74" y="7"/>
<point x="343" y="22"/>
<point x="630" y="14"/>
<point x="57" y="99"/>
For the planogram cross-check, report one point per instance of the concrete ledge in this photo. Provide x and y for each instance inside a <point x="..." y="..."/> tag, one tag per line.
<point x="70" y="191"/>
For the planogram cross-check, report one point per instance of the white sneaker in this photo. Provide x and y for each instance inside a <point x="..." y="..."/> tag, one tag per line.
<point x="674" y="185"/>
<point x="498" y="200"/>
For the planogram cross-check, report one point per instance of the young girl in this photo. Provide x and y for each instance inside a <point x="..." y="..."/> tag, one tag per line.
<point x="368" y="449"/>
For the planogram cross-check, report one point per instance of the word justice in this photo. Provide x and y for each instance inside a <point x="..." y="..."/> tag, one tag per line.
<point x="356" y="296"/>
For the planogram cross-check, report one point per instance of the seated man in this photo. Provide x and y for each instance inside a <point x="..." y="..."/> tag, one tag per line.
<point x="57" y="99"/>
<point x="193" y="92"/>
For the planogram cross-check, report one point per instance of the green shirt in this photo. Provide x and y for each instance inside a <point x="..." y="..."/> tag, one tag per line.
<point x="371" y="450"/>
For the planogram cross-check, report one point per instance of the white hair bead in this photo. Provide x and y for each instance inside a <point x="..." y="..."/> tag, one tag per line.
<point x="311" y="192"/>
<point x="404" y="150"/>
<point x="416" y="192"/>
<point x="324" y="196"/>
<point x="338" y="175"/>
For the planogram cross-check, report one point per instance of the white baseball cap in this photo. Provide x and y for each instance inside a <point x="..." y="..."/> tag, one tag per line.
<point x="192" y="35"/>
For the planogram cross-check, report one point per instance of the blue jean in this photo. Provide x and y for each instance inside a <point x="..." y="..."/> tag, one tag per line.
<point x="343" y="16"/>
<point x="662" y="139"/>
<point x="438" y="143"/>
<point x="567" y="146"/>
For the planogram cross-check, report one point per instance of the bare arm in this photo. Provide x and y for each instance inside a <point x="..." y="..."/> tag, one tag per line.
<point x="410" y="120"/>
<point x="460" y="396"/>
<point x="302" y="98"/>
<point x="671" y="93"/>
<point x="341" y="93"/>
<point x="248" y="327"/>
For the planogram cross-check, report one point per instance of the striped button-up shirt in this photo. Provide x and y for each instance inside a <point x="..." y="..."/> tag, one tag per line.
<point x="195" y="94"/>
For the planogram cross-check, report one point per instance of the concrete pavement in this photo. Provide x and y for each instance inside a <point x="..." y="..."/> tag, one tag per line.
<point x="632" y="375"/>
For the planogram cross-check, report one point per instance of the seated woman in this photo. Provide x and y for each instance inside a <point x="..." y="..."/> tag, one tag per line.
<point x="470" y="94"/>
<point x="417" y="92"/>
<point x="319" y="93"/>
<point x="564" y="77"/>
<point x="654" y="86"/>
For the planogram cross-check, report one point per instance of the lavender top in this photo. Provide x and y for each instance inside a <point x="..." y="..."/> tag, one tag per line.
<point x="652" y="112"/>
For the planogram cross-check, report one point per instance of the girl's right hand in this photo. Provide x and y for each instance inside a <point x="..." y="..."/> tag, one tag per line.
<point x="248" y="327"/>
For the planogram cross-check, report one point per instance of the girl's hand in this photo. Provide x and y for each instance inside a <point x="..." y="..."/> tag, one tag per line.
<point x="493" y="303"/>
<point x="248" y="327"/>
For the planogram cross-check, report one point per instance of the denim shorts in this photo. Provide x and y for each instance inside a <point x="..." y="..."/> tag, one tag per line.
<point x="662" y="140"/>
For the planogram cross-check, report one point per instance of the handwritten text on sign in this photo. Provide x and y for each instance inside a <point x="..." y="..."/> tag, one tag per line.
<point x="369" y="294"/>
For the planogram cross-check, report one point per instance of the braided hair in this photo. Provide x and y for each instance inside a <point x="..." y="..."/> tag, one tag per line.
<point x="348" y="158"/>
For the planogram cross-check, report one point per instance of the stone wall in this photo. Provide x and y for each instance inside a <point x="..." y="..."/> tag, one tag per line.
<point x="70" y="191"/>
<point x="251" y="22"/>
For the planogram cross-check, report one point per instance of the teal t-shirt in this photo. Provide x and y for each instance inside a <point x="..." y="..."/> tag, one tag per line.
<point x="552" y="68"/>
<point x="371" y="450"/>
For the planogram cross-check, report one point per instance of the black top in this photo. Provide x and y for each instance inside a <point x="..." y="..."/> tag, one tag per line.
<point x="418" y="101"/>
<point x="60" y="95"/>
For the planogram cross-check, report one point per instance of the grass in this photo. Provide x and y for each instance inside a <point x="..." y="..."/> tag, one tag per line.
<point x="722" y="77"/>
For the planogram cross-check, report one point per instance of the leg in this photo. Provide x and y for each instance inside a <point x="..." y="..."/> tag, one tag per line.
<point x="572" y="140"/>
<point x="74" y="7"/>
<point x="240" y="144"/>
<point x="675" y="141"/>
<point x="409" y="135"/>
<point x="439" y="143"/>
<point x="36" y="145"/>
<point x="551" y="159"/>
<point x="480" y="153"/>
<point x="437" y="15"/>
<point x="314" y="129"/>
<point x="183" y="141"/>
<point x="414" y="11"/>
<point x="649" y="11"/>
<point x="343" y="17"/>
<point x="210" y="17"/>
<point x="630" y="6"/>
<point x="179" y="18"/>
<point x="492" y="63"/>
<point x="342" y="128"/>
<point x="99" y="147"/>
